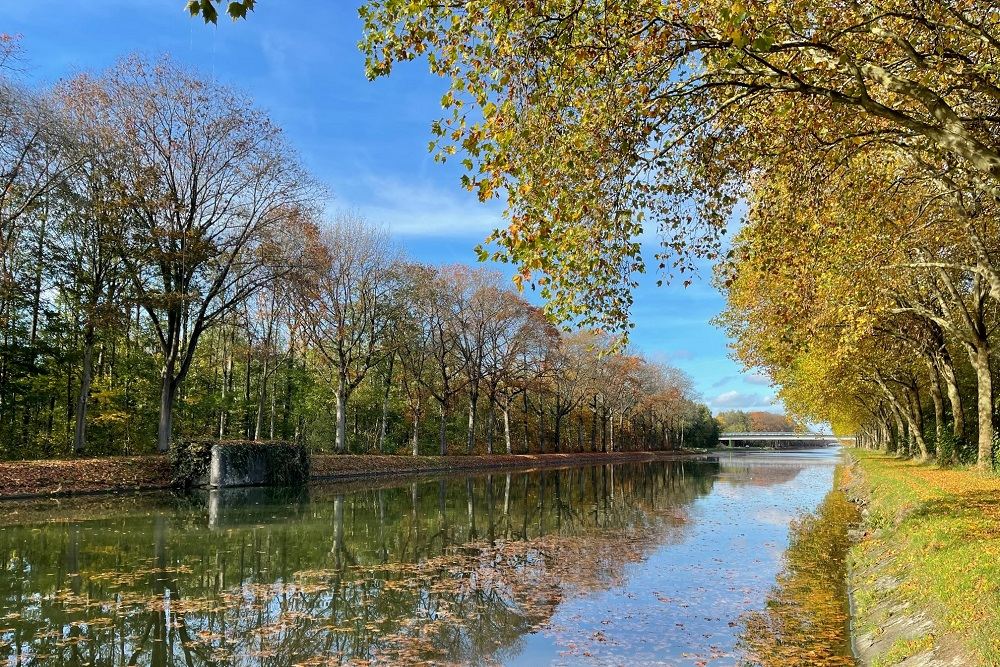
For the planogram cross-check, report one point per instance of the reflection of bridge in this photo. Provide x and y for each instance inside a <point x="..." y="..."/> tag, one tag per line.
<point x="778" y="439"/>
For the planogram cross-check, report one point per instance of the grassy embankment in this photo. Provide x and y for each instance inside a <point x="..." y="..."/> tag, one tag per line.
<point x="935" y="531"/>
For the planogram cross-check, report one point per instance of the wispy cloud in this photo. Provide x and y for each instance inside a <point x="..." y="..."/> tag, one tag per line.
<point x="730" y="400"/>
<point x="421" y="209"/>
<point x="752" y="378"/>
<point x="723" y="381"/>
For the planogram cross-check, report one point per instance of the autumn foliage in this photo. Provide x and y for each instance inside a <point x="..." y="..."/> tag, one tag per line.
<point x="167" y="273"/>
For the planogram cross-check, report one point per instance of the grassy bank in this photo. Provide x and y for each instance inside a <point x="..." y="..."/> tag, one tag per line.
<point x="934" y="534"/>
<point x="115" y="474"/>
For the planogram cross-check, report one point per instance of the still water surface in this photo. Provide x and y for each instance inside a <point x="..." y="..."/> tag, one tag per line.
<point x="653" y="563"/>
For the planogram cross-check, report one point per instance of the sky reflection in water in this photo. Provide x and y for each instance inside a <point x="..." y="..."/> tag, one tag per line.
<point x="638" y="564"/>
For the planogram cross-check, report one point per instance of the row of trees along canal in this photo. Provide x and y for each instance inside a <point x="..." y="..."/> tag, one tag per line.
<point x="165" y="269"/>
<point x="863" y="137"/>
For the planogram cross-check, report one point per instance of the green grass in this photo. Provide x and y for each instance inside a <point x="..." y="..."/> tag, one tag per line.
<point x="902" y="649"/>
<point x="940" y="531"/>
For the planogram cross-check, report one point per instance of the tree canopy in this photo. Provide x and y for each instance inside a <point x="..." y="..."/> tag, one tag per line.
<point x="598" y="121"/>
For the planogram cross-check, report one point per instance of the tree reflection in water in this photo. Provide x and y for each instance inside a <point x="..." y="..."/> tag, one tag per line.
<point x="806" y="617"/>
<point x="455" y="570"/>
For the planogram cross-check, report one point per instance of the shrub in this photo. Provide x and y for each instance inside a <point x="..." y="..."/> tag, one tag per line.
<point x="947" y="447"/>
<point x="189" y="461"/>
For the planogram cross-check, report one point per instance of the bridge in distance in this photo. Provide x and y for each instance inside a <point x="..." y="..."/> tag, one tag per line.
<point x="779" y="439"/>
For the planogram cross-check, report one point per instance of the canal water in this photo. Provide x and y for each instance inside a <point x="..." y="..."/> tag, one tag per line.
<point x="679" y="562"/>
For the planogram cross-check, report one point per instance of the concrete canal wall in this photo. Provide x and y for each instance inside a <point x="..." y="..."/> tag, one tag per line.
<point x="255" y="464"/>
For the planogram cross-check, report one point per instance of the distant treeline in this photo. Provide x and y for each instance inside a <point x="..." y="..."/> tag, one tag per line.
<point x="165" y="272"/>
<point x="755" y="421"/>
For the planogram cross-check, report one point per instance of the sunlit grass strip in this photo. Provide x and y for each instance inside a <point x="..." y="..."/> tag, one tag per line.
<point x="941" y="534"/>
<point x="903" y="649"/>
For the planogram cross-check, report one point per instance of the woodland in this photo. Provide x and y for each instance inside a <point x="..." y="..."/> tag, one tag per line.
<point x="167" y="271"/>
<point x="852" y="151"/>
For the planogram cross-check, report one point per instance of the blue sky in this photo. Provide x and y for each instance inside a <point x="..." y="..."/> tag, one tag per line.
<point x="367" y="141"/>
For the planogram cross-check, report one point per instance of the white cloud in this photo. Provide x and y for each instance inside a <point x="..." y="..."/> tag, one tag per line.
<point x="730" y="400"/>
<point x="420" y="209"/>
<point x="753" y="378"/>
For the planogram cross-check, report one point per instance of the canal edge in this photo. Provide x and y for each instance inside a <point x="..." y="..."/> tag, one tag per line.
<point x="885" y="628"/>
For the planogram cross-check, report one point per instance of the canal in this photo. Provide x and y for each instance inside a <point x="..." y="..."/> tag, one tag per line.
<point x="669" y="562"/>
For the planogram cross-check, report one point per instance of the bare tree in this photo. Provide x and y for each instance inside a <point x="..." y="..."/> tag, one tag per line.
<point x="477" y="306"/>
<point x="435" y="301"/>
<point x="92" y="229"/>
<point x="570" y="364"/>
<point x="346" y="306"/>
<point x="38" y="150"/>
<point x="623" y="388"/>
<point x="412" y="337"/>
<point x="515" y="347"/>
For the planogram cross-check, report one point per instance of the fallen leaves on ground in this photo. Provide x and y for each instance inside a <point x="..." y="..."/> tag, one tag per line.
<point x="92" y="475"/>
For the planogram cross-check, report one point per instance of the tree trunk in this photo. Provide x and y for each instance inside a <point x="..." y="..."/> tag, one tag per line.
<point x="611" y="434"/>
<point x="286" y="408"/>
<point x="604" y="431"/>
<point x="246" y="394"/>
<point x="984" y="379"/>
<point x="384" y="425"/>
<point x="593" y="427"/>
<point x="490" y="419"/>
<point x="973" y="333"/>
<point x="541" y="427"/>
<point x="947" y="371"/>
<point x="901" y="446"/>
<point x="341" y="415"/>
<point x="473" y="408"/>
<point x="167" y="392"/>
<point x="506" y="428"/>
<point x="36" y="301"/>
<point x="902" y="435"/>
<point x="914" y="415"/>
<point x="273" y="416"/>
<point x="442" y="432"/>
<point x="558" y="429"/>
<point x="227" y="382"/>
<point x="524" y="397"/>
<point x="938" y="399"/>
<point x="258" y="427"/>
<point x="416" y="428"/>
<point x="86" y="373"/>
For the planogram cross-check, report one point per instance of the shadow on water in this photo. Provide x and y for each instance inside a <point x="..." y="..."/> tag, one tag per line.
<point x="456" y="569"/>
